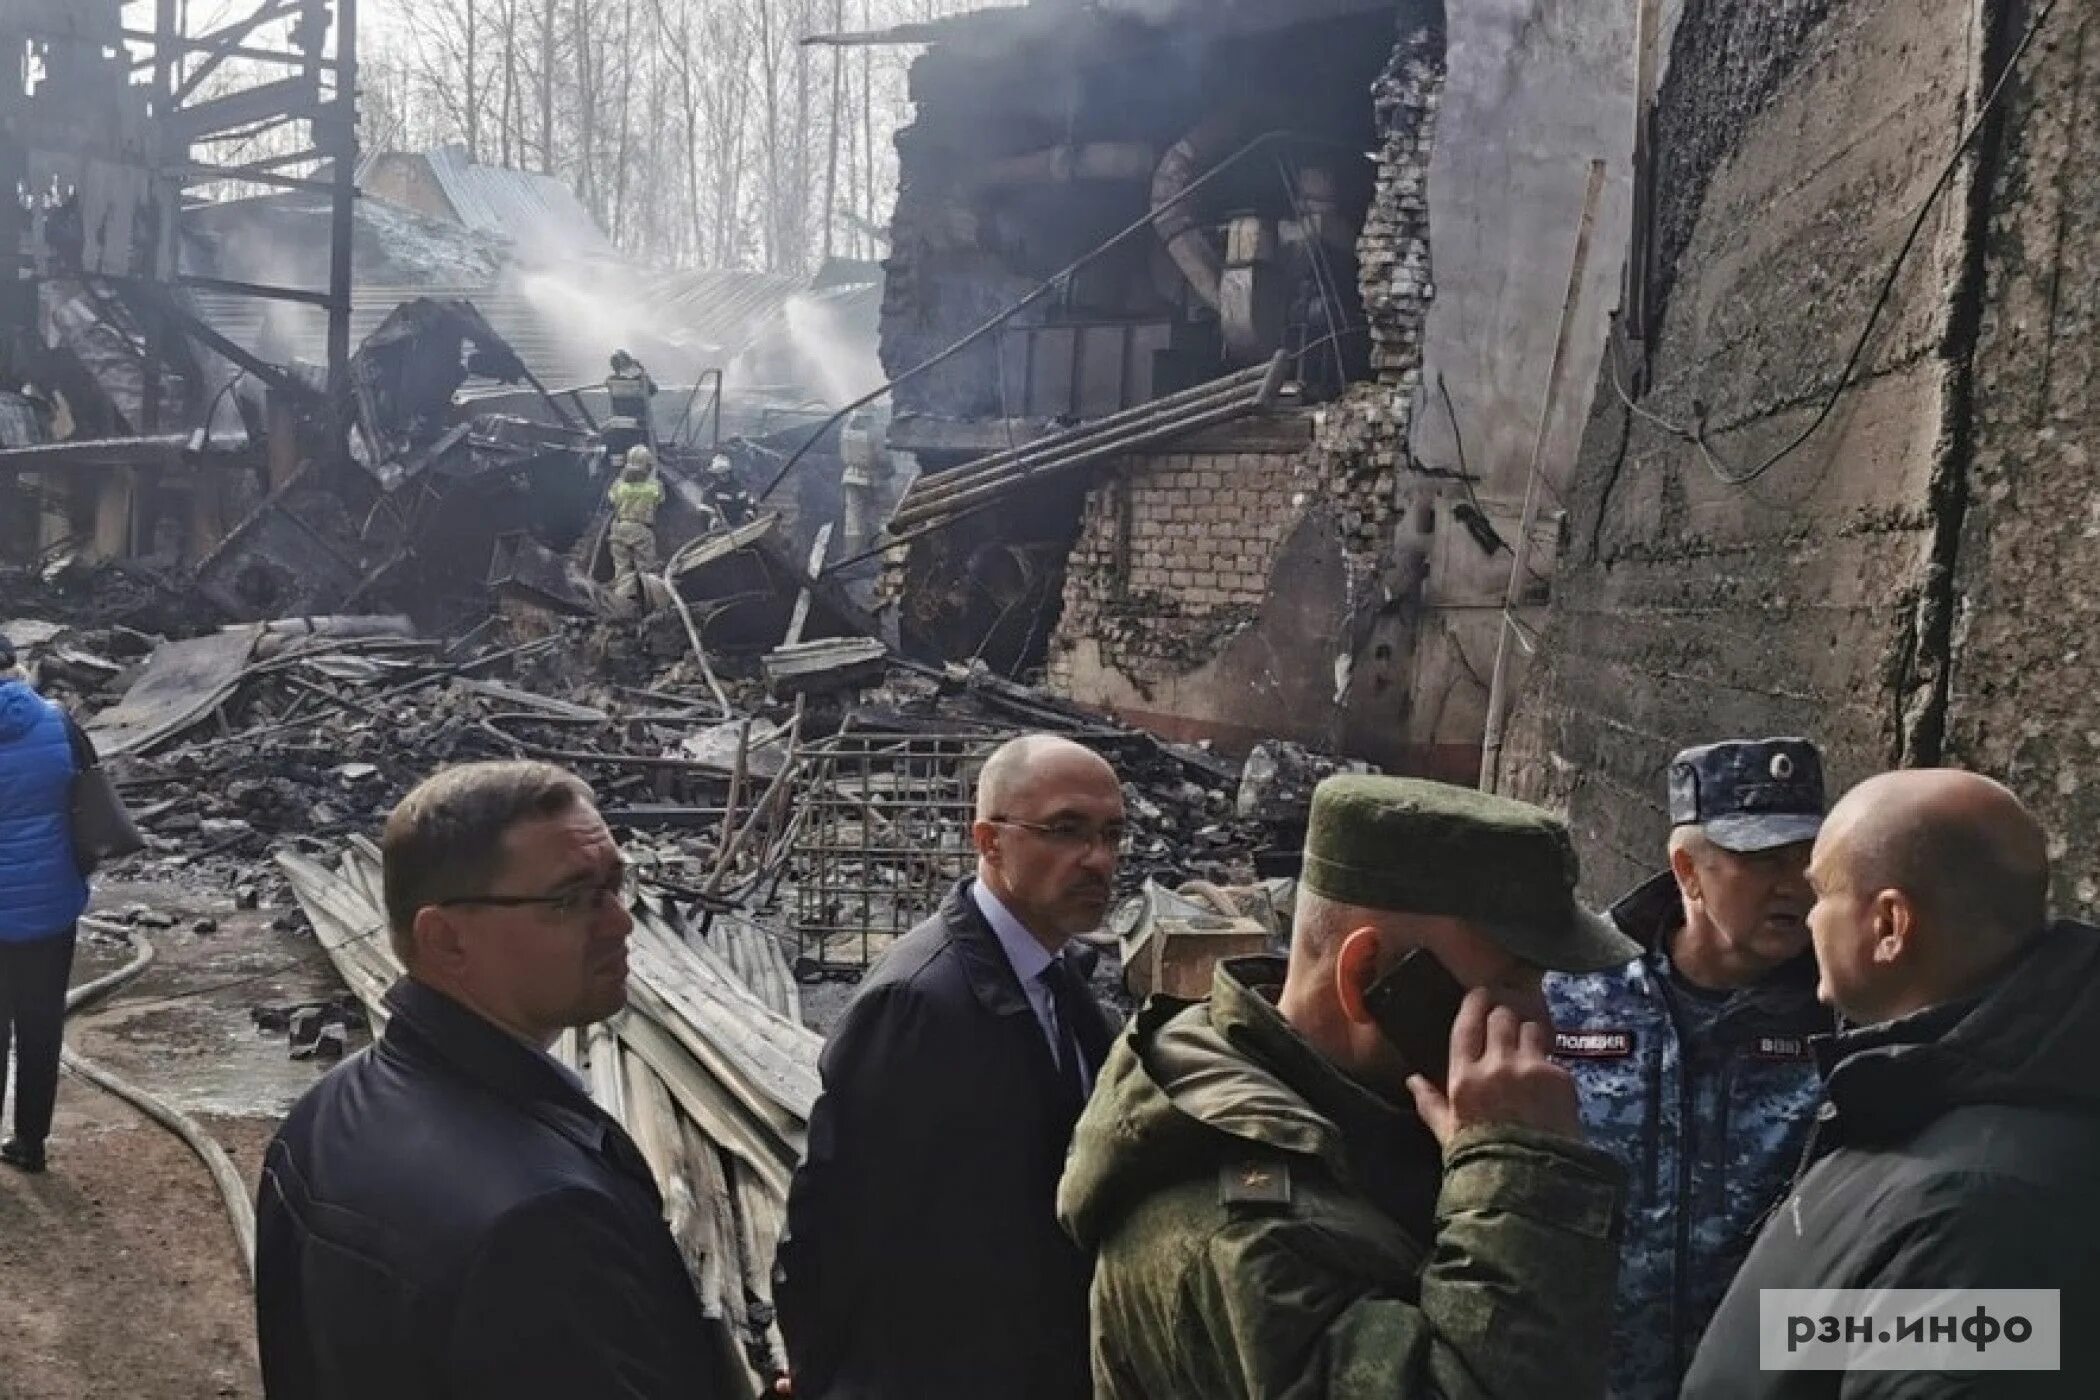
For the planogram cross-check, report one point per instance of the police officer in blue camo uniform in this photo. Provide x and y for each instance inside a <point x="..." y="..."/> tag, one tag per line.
<point x="1693" y="1062"/>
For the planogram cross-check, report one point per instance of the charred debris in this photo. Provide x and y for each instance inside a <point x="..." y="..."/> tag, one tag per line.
<point x="285" y="562"/>
<point x="423" y="584"/>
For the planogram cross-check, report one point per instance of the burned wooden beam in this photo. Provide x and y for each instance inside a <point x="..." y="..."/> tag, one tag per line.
<point x="253" y="289"/>
<point x="811" y="668"/>
<point x="294" y="98"/>
<point x="225" y="42"/>
<point x="276" y="376"/>
<point x="97" y="454"/>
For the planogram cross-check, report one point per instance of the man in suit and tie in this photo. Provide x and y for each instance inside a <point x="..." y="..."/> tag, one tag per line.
<point x="923" y="1259"/>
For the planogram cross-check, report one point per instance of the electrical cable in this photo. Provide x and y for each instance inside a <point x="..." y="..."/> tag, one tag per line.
<point x="1043" y="289"/>
<point x="211" y="411"/>
<point x="1465" y="479"/>
<point x="949" y="522"/>
<point x="1696" y="435"/>
<point x="1323" y="274"/>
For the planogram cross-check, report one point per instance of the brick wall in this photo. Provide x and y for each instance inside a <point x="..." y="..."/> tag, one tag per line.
<point x="1200" y="530"/>
<point x="1173" y="557"/>
<point x="404" y="178"/>
<point x="1360" y="446"/>
<point x="1225" y="595"/>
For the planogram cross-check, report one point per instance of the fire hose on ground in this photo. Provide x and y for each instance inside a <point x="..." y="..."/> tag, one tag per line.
<point x="232" y="1190"/>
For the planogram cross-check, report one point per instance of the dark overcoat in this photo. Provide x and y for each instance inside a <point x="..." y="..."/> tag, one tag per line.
<point x="448" y="1215"/>
<point x="923" y="1258"/>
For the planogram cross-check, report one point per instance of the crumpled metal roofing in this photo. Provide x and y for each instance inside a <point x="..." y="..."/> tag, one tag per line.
<point x="280" y="331"/>
<point x="537" y="211"/>
<point x="718" y="313"/>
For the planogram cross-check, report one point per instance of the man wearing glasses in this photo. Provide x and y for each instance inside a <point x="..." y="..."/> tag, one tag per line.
<point x="448" y="1214"/>
<point x="923" y="1256"/>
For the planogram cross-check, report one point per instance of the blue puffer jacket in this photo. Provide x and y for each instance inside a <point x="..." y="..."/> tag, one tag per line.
<point x="41" y="892"/>
<point x="1709" y="1123"/>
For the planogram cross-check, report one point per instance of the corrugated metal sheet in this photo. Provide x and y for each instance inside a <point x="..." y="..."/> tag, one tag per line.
<point x="717" y="313"/>
<point x="281" y="331"/>
<point x="564" y="316"/>
<point x="727" y="307"/>
<point x="537" y="211"/>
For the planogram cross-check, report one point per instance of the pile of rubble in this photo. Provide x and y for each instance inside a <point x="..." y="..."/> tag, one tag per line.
<point x="787" y="812"/>
<point x="306" y="732"/>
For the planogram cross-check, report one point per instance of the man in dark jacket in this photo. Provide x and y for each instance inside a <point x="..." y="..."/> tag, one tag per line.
<point x="41" y="897"/>
<point x="1693" y="1059"/>
<point x="922" y="1259"/>
<point x="448" y="1216"/>
<point x="1958" y="1145"/>
<point x="1286" y="1208"/>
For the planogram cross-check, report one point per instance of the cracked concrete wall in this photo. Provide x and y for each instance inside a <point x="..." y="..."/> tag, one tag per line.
<point x="2025" y="629"/>
<point x="1688" y="609"/>
<point x="1537" y="89"/>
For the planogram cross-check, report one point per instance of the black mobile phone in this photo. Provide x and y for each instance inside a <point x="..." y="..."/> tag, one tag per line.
<point x="1414" y="1006"/>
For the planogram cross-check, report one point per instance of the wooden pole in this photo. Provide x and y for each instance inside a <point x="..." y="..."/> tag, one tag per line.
<point x="1520" y="549"/>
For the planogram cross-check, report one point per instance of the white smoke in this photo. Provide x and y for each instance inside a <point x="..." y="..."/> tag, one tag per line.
<point x="844" y="364"/>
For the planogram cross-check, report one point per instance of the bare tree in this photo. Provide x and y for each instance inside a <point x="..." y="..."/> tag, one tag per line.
<point x="449" y="51"/>
<point x="698" y="132"/>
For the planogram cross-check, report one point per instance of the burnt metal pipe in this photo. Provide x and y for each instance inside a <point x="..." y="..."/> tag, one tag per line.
<point x="962" y="513"/>
<point x="1027" y="464"/>
<point x="1157" y="428"/>
<point x="1064" y="165"/>
<point x="1186" y="242"/>
<point x="932" y="484"/>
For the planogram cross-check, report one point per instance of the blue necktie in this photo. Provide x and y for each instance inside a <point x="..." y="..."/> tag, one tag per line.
<point x="1066" y="996"/>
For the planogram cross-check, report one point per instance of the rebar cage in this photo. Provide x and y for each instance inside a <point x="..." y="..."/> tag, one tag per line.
<point x="883" y="834"/>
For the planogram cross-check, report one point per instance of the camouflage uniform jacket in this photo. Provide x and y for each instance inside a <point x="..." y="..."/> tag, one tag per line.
<point x="1709" y="1115"/>
<point x="1266" y="1229"/>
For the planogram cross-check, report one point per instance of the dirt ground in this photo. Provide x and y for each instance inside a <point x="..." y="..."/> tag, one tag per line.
<point x="118" y="1271"/>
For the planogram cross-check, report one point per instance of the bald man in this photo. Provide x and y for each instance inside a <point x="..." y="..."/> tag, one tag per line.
<point x="1960" y="1140"/>
<point x="923" y="1258"/>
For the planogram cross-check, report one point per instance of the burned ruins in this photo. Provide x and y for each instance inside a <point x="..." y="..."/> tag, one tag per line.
<point x="1250" y="390"/>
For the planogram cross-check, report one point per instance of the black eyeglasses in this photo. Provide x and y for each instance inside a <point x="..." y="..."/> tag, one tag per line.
<point x="575" y="902"/>
<point x="1075" y="834"/>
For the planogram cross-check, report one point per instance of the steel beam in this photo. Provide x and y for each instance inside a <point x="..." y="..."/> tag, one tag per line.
<point x="343" y="128"/>
<point x="254" y="289"/>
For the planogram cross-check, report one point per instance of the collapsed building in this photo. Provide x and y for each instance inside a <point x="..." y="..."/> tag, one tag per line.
<point x="1186" y="467"/>
<point x="120" y="425"/>
<point x="1838" y="479"/>
<point x="373" y="384"/>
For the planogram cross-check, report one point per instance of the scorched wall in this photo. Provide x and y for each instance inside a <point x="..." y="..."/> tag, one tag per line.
<point x="1912" y="586"/>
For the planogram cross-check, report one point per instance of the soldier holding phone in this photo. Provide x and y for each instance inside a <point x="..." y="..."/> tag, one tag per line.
<point x="1290" y="1195"/>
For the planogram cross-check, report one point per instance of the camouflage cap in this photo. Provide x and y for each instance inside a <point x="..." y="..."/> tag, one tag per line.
<point x="1419" y="847"/>
<point x="1749" y="794"/>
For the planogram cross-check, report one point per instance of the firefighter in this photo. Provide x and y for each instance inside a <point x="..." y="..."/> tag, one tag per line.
<point x="635" y="497"/>
<point x="630" y="388"/>
<point x="726" y="494"/>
